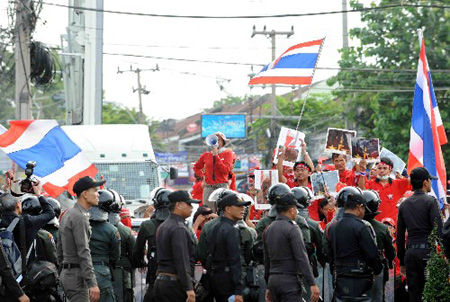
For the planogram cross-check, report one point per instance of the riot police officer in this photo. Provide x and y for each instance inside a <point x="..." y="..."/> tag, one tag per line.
<point x="53" y="225"/>
<point x="303" y="197"/>
<point x="105" y="248"/>
<point x="353" y="251"/>
<point x="285" y="256"/>
<point x="201" y="252"/>
<point x="341" y="199"/>
<point x="384" y="243"/>
<point x="123" y="274"/>
<point x="223" y="251"/>
<point x="147" y="236"/>
<point x="248" y="236"/>
<point x="176" y="252"/>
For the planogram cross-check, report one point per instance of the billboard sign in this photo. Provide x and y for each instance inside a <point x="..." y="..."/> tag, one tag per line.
<point x="232" y="125"/>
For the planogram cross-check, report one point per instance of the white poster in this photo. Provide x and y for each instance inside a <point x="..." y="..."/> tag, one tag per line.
<point x="399" y="164"/>
<point x="324" y="182"/>
<point x="264" y="179"/>
<point x="291" y="141"/>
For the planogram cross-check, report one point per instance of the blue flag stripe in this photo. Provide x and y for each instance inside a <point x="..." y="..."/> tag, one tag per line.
<point x="300" y="60"/>
<point x="53" y="150"/>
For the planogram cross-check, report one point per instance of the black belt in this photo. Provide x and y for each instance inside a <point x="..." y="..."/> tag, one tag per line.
<point x="285" y="274"/>
<point x="70" y="265"/>
<point x="419" y="246"/>
<point x="100" y="263"/>
<point x="166" y="278"/>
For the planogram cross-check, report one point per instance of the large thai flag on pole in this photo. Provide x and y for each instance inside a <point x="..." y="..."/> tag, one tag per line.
<point x="295" y="66"/>
<point x="59" y="161"/>
<point x="427" y="130"/>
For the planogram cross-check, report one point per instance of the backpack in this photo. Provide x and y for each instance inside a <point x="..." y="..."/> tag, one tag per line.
<point x="11" y="249"/>
<point x="42" y="276"/>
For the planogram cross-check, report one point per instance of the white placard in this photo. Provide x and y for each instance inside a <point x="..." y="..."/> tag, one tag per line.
<point x="264" y="179"/>
<point x="291" y="140"/>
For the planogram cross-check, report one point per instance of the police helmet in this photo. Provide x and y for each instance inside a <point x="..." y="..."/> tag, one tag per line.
<point x="373" y="201"/>
<point x="220" y="193"/>
<point x="108" y="200"/>
<point x="277" y="191"/>
<point x="349" y="193"/>
<point x="160" y="197"/>
<point x="31" y="205"/>
<point x="302" y="196"/>
<point x="55" y="205"/>
<point x="246" y="198"/>
<point x="310" y="193"/>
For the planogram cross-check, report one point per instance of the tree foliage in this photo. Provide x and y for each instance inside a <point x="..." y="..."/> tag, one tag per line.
<point x="321" y="111"/>
<point x="389" y="47"/>
<point x="437" y="285"/>
<point x="114" y="113"/>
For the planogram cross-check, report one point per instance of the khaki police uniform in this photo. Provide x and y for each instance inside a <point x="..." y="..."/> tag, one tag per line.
<point x="77" y="273"/>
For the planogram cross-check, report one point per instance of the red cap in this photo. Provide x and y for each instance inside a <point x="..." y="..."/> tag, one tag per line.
<point x="388" y="220"/>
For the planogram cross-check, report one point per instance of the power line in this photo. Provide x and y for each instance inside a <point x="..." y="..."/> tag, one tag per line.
<point x="250" y="16"/>
<point x="258" y="64"/>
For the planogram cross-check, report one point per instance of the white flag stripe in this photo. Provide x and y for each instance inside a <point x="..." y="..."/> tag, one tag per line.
<point x="310" y="49"/>
<point x="35" y="132"/>
<point x="71" y="167"/>
<point x="287" y="72"/>
<point x="416" y="145"/>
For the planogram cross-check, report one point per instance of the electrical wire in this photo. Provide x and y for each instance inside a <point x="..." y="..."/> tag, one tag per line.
<point x="366" y="9"/>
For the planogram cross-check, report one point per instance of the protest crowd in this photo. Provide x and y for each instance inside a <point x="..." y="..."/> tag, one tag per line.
<point x="360" y="235"/>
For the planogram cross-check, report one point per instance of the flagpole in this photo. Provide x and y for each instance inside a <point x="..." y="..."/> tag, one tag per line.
<point x="309" y="86"/>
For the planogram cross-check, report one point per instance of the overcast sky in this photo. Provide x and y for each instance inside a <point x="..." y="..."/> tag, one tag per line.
<point x="175" y="94"/>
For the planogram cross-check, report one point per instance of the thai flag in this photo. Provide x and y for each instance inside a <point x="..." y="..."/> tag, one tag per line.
<point x="59" y="161"/>
<point x="294" y="67"/>
<point x="427" y="130"/>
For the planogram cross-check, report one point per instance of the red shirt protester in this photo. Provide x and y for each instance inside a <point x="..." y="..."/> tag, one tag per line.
<point x="347" y="176"/>
<point x="390" y="190"/>
<point x="197" y="190"/>
<point x="217" y="168"/>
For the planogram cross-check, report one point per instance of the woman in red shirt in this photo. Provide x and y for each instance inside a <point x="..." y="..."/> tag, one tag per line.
<point x="217" y="165"/>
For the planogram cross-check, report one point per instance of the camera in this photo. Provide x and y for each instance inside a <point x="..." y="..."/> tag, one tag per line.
<point x="26" y="185"/>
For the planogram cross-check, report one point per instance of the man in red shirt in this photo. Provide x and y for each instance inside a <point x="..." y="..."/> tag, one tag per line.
<point x="390" y="190"/>
<point x="302" y="170"/>
<point x="217" y="165"/>
<point x="346" y="176"/>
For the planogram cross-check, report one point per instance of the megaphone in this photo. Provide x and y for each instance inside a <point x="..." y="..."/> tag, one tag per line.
<point x="212" y="140"/>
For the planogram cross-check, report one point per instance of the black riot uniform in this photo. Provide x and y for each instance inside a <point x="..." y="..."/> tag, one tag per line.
<point x="417" y="214"/>
<point x="223" y="250"/>
<point x="354" y="253"/>
<point x="147" y="237"/>
<point x="285" y="257"/>
<point x="176" y="255"/>
<point x="384" y="243"/>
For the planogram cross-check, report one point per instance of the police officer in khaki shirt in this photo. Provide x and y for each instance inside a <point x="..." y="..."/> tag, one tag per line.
<point x="77" y="276"/>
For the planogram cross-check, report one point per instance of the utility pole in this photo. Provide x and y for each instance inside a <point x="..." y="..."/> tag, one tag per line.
<point x="22" y="58"/>
<point x="141" y="90"/>
<point x="272" y="35"/>
<point x="345" y="46"/>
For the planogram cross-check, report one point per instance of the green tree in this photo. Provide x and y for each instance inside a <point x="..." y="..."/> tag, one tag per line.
<point x="321" y="111"/>
<point x="114" y="113"/>
<point x="437" y="285"/>
<point x="229" y="100"/>
<point x="386" y="59"/>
